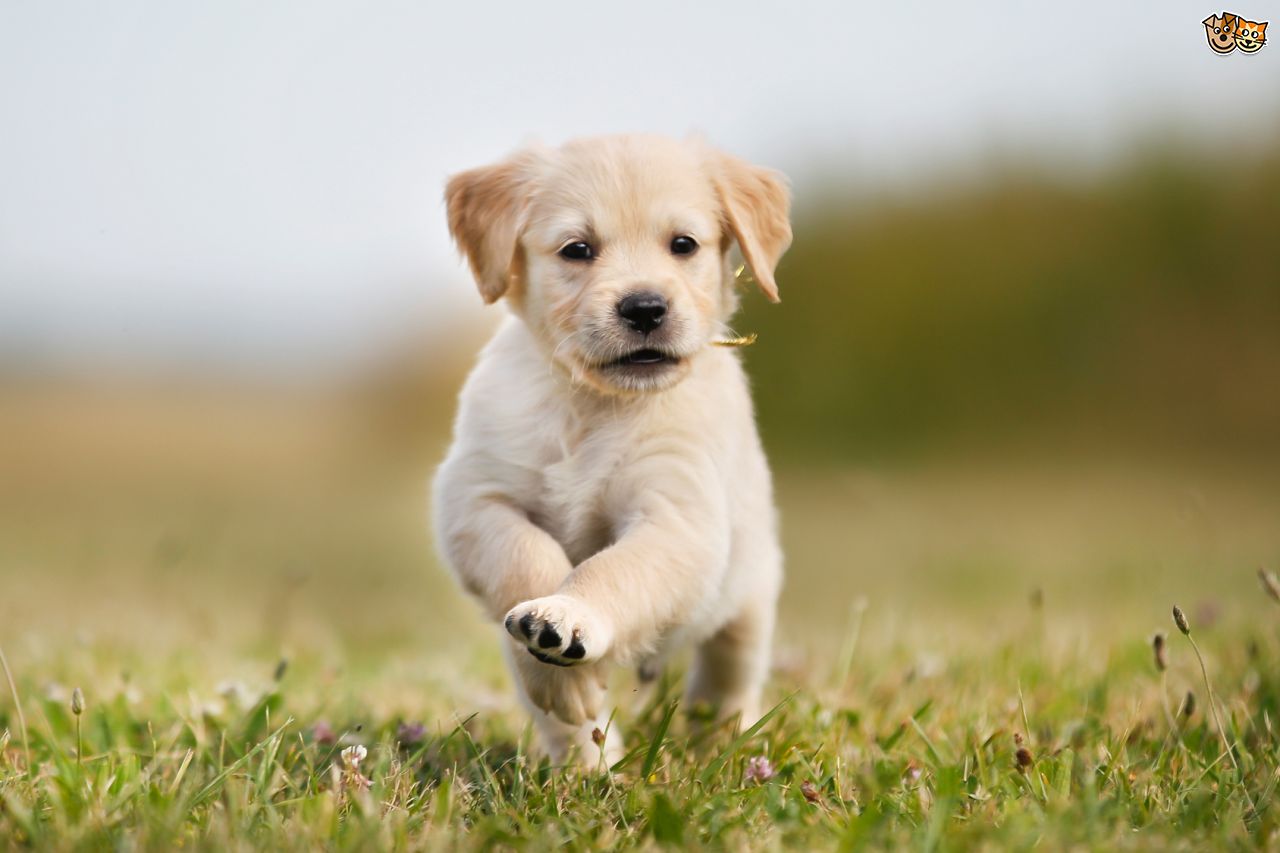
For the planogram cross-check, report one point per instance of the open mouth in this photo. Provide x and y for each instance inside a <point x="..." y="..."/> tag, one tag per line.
<point x="644" y="358"/>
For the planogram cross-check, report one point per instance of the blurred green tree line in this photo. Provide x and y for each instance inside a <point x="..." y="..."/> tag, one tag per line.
<point x="1140" y="306"/>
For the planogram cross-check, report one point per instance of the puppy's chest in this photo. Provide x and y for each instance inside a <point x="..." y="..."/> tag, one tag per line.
<point x="571" y="500"/>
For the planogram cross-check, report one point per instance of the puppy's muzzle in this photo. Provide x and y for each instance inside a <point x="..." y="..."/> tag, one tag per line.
<point x="643" y="311"/>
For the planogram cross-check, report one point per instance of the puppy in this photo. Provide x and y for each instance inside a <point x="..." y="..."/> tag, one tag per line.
<point x="606" y="497"/>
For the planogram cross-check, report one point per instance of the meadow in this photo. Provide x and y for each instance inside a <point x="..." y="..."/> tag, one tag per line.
<point x="965" y="657"/>
<point x="1001" y="463"/>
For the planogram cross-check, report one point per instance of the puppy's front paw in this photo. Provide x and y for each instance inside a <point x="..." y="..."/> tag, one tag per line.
<point x="560" y="630"/>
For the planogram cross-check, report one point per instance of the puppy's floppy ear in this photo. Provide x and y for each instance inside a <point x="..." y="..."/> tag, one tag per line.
<point x="757" y="207"/>
<point x="486" y="209"/>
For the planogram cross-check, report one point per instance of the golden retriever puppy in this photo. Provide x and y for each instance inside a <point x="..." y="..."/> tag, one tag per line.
<point x="606" y="497"/>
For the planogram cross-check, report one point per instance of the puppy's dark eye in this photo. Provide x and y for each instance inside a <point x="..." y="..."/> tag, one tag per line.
<point x="684" y="245"/>
<point x="578" y="251"/>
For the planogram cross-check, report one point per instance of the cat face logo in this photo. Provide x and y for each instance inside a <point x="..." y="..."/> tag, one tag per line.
<point x="1221" y="31"/>
<point x="1250" y="37"/>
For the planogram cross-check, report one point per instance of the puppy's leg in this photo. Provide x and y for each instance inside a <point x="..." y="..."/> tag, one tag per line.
<point x="502" y="558"/>
<point x="553" y="695"/>
<point x="730" y="668"/>
<point x="499" y="555"/>
<point x="663" y="572"/>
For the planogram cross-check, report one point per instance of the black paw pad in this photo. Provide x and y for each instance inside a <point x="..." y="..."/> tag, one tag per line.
<point x="576" y="650"/>
<point x="545" y="658"/>
<point x="548" y="638"/>
<point x="526" y="625"/>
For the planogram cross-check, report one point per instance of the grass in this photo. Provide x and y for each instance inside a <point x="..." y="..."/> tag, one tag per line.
<point x="897" y="754"/>
<point x="964" y="660"/>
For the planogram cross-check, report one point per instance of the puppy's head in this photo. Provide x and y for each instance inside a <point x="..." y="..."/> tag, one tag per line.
<point x="614" y="251"/>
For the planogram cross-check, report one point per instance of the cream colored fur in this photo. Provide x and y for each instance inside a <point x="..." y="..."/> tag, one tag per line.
<point x="604" y="514"/>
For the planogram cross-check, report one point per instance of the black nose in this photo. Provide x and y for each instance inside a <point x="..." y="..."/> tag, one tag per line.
<point x="643" y="311"/>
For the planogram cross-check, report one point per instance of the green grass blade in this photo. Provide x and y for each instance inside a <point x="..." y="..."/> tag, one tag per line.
<point x="655" y="745"/>
<point x="710" y="771"/>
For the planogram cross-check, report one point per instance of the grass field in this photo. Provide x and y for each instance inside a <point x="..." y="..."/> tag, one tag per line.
<point x="964" y="660"/>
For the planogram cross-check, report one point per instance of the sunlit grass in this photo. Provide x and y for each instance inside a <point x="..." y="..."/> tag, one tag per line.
<point x="892" y="752"/>
<point x="240" y="599"/>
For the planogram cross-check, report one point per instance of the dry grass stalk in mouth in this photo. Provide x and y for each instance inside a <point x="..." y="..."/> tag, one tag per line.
<point x="740" y="341"/>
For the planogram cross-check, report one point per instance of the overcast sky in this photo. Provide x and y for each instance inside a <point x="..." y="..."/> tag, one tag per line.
<point x="257" y="184"/>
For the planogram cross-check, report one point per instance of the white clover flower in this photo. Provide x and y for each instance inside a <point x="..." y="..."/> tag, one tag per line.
<point x="350" y="777"/>
<point x="353" y="755"/>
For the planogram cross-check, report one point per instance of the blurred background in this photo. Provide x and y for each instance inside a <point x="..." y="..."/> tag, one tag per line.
<point x="1026" y="365"/>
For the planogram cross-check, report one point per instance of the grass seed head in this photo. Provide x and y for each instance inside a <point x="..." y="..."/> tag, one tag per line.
<point x="1024" y="759"/>
<point x="77" y="701"/>
<point x="1158" y="649"/>
<point x="1189" y="705"/>
<point x="810" y="792"/>
<point x="597" y="736"/>
<point x="1180" y="619"/>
